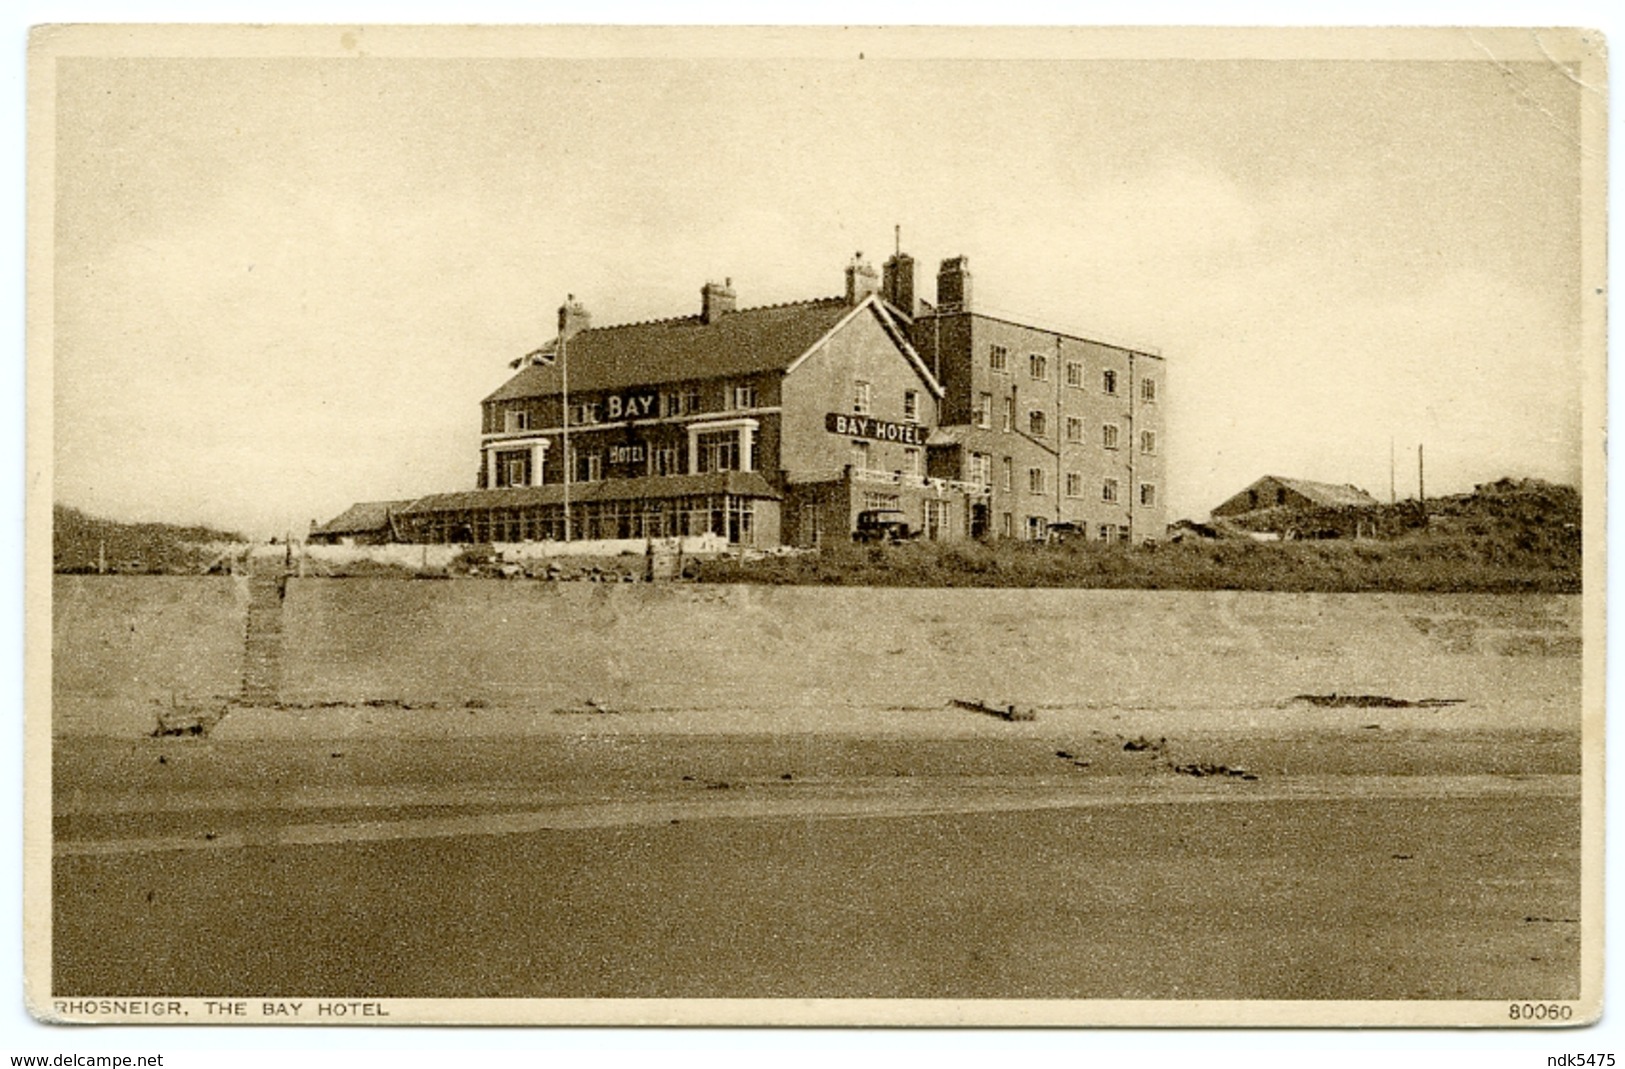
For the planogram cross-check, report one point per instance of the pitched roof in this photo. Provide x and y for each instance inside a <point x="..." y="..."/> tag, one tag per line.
<point x="738" y="483"/>
<point x="774" y="337"/>
<point x="1332" y="494"/>
<point x="671" y="350"/>
<point x="361" y="516"/>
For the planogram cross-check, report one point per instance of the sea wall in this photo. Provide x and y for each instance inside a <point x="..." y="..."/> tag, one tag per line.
<point x="147" y="637"/>
<point x="684" y="646"/>
<point x="658" y="646"/>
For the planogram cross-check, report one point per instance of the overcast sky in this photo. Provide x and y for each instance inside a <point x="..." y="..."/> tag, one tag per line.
<point x="283" y="285"/>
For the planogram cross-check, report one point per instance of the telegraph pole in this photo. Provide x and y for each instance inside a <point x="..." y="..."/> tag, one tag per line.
<point x="1421" y="484"/>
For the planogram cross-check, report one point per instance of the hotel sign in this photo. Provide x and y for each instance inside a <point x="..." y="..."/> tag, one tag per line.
<point x="632" y="405"/>
<point x="622" y="455"/>
<point x="879" y="429"/>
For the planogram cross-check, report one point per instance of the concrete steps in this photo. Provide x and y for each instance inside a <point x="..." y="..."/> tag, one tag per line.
<point x="262" y="644"/>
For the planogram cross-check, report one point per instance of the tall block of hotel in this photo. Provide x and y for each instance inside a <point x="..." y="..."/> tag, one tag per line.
<point x="1061" y="428"/>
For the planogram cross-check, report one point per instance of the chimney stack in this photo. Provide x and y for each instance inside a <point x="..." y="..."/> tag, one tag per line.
<point x="573" y="318"/>
<point x="860" y="279"/>
<point x="898" y="285"/>
<point x="716" y="300"/>
<point x="953" y="285"/>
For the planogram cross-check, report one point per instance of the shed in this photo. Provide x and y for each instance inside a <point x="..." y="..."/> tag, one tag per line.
<point x="366" y="523"/>
<point x="1274" y="491"/>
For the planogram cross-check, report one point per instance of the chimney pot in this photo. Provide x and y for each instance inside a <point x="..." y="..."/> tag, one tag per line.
<point x="716" y="300"/>
<point x="898" y="284"/>
<point x="573" y="318"/>
<point x="953" y="285"/>
<point x="860" y="279"/>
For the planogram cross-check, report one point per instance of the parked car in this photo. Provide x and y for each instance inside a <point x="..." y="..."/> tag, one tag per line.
<point x="881" y="525"/>
<point x="1067" y="532"/>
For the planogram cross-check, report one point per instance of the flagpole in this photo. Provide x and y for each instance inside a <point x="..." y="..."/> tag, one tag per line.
<point x="564" y="373"/>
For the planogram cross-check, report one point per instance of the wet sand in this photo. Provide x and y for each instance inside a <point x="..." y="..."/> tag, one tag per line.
<point x="972" y="859"/>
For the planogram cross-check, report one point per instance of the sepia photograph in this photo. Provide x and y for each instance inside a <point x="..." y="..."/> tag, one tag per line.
<point x="815" y="525"/>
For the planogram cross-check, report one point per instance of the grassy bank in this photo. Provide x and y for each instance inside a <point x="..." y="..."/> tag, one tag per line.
<point x="85" y="543"/>
<point x="1419" y="564"/>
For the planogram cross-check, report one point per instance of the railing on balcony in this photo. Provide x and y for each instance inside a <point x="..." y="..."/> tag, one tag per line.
<point x="919" y="482"/>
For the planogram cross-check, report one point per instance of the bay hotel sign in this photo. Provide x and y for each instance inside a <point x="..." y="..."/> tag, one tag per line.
<point x="880" y="430"/>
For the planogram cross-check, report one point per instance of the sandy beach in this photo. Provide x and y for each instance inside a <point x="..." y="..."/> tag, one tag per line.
<point x="721" y="793"/>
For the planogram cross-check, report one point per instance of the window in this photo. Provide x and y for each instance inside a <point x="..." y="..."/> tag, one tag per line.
<point x="911" y="461"/>
<point x="1074" y="429"/>
<point x="911" y="406"/>
<point x="811" y="529"/>
<point x="1108" y="435"/>
<point x="936" y="520"/>
<point x="1074" y="374"/>
<point x="732" y="517"/>
<point x="589" y="467"/>
<point x="1148" y="494"/>
<point x="584" y="413"/>
<point x="876" y="499"/>
<point x="982" y="416"/>
<point x="1074" y="484"/>
<point x="1148" y="441"/>
<point x="1010" y="413"/>
<point x="981" y="469"/>
<point x="1007" y="525"/>
<point x="515" y="419"/>
<point x="1148" y="391"/>
<point x="1038" y="365"/>
<point x="861" y="393"/>
<point x="1036" y="527"/>
<point x="997" y="356"/>
<point x="683" y="401"/>
<point x="1108" y="490"/>
<point x="513" y="468"/>
<point x="860" y="456"/>
<point x="717" y="451"/>
<point x="1106" y="532"/>
<point x="665" y="460"/>
<point x="1108" y="381"/>
<point x="1035" y="480"/>
<point x="1037" y="425"/>
<point x="745" y="396"/>
<point x="1009" y="474"/>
